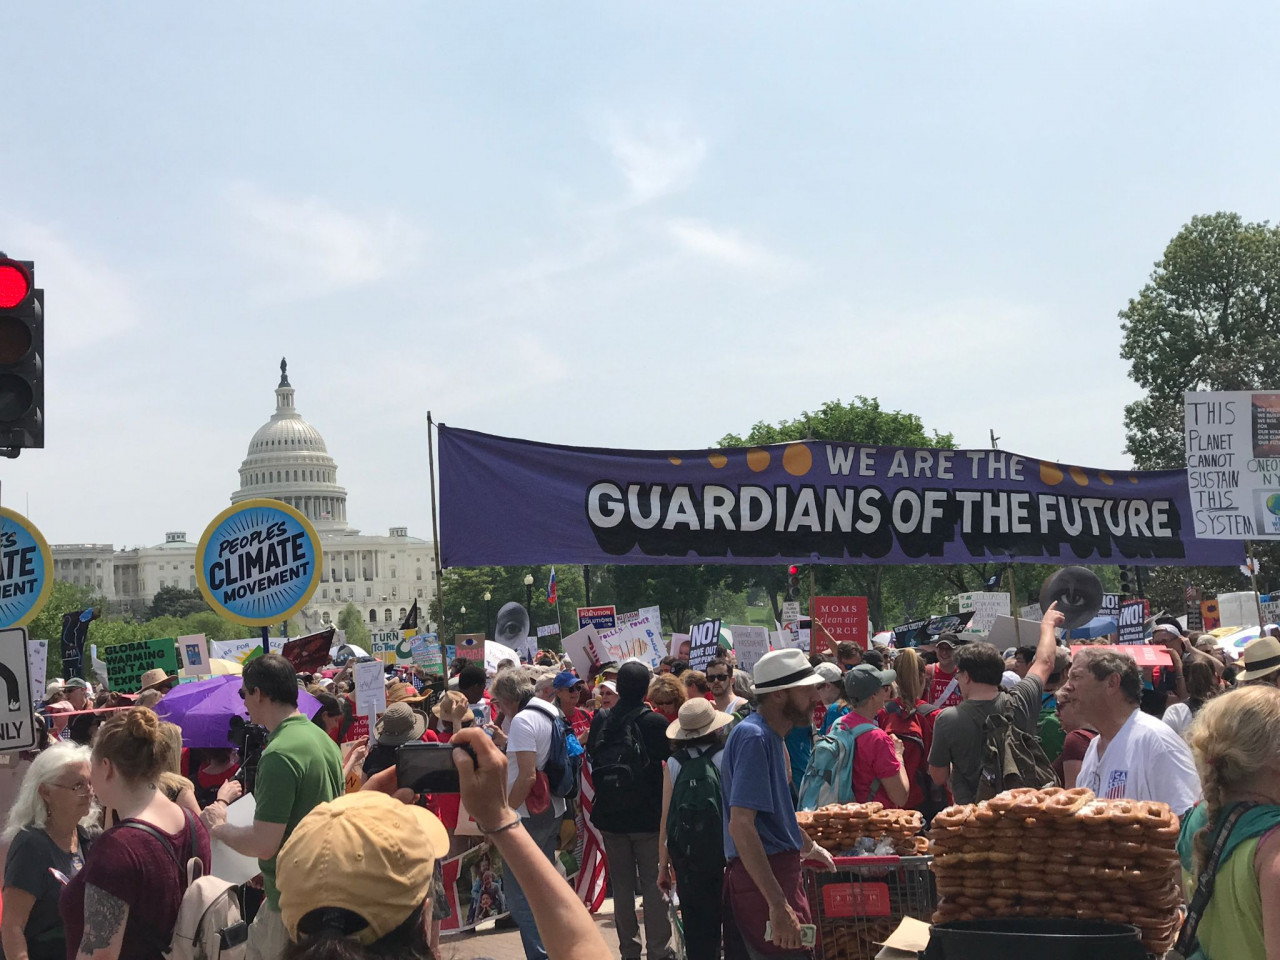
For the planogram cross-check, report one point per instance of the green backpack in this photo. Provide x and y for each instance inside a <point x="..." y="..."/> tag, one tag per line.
<point x="695" y="820"/>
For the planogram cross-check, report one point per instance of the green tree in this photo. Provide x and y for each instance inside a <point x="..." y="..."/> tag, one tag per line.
<point x="465" y="610"/>
<point x="351" y="621"/>
<point x="176" y="602"/>
<point x="1207" y="319"/>
<point x="864" y="422"/>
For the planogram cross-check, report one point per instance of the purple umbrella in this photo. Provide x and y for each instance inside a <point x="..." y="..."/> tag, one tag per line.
<point x="204" y="709"/>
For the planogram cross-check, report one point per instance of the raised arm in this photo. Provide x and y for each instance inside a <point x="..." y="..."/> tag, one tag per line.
<point x="1047" y="648"/>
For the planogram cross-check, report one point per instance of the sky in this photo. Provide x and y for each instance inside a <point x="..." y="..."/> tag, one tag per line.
<point x="627" y="225"/>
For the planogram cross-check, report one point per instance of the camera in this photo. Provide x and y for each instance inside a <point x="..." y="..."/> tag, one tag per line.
<point x="249" y="739"/>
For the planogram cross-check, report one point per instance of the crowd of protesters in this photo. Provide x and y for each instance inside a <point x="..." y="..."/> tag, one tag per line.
<point x="691" y="782"/>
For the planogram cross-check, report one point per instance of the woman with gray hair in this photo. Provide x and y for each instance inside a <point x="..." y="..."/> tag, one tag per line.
<point x="47" y="845"/>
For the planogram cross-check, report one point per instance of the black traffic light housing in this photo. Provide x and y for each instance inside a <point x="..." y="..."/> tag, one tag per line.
<point x="793" y="582"/>
<point x="1128" y="580"/>
<point x="21" y="358"/>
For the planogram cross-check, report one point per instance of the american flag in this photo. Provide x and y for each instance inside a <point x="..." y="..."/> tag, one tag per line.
<point x="593" y="870"/>
<point x="551" y="589"/>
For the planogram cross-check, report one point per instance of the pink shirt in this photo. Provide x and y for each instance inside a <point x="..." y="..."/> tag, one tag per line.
<point x="873" y="759"/>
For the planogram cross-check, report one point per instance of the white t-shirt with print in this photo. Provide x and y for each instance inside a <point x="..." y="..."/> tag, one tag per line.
<point x="1145" y="761"/>
<point x="530" y="731"/>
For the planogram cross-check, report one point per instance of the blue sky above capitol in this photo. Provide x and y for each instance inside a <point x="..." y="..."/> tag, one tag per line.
<point x="609" y="224"/>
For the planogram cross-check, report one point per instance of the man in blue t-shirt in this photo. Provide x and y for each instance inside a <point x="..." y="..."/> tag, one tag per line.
<point x="763" y="843"/>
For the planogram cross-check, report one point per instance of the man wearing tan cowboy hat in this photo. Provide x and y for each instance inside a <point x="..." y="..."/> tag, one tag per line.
<point x="764" y="846"/>
<point x="1261" y="662"/>
<point x="157" y="679"/>
<point x="454" y="712"/>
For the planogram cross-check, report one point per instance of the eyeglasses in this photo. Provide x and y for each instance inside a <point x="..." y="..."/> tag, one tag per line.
<point x="243" y="694"/>
<point x="81" y="789"/>
<point x="718" y="676"/>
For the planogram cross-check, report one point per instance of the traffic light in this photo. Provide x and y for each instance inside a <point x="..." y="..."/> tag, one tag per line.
<point x="21" y="358"/>
<point x="1128" y="581"/>
<point x="793" y="582"/>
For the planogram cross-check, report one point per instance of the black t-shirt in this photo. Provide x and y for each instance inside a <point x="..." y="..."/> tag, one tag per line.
<point x="33" y="857"/>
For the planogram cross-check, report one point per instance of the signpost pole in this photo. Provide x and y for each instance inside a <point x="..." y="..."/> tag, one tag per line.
<point x="1253" y="582"/>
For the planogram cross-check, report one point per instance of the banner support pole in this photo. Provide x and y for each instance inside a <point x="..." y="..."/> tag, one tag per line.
<point x="266" y="640"/>
<point x="1253" y="582"/>
<point x="1013" y="604"/>
<point x="435" y="525"/>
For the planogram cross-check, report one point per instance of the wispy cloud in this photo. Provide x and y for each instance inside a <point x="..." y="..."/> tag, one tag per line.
<point x="92" y="302"/>
<point x="656" y="159"/>
<point x="728" y="248"/>
<point x="312" y="248"/>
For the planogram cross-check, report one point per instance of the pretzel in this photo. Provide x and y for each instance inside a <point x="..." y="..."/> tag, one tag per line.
<point x="954" y="817"/>
<point x="1067" y="803"/>
<point x="1124" y="813"/>
<point x="984" y="814"/>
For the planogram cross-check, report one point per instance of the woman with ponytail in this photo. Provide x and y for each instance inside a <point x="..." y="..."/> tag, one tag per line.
<point x="124" y="903"/>
<point x="1237" y="751"/>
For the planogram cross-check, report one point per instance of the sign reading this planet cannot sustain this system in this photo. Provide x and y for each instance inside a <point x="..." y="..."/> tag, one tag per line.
<point x="259" y="562"/>
<point x="26" y="569"/>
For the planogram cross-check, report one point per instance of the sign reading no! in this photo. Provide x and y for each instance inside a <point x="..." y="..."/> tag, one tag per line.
<point x="259" y="562"/>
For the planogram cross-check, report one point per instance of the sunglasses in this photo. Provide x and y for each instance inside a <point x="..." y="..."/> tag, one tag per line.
<point x="713" y="677"/>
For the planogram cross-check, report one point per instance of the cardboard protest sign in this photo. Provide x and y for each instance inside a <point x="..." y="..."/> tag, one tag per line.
<point x="704" y="644"/>
<point x="845" y="618"/>
<point x="527" y="648"/>
<point x="469" y="646"/>
<point x="640" y="637"/>
<point x="127" y="662"/>
<point x="308" y="654"/>
<point x="38" y="661"/>
<point x="602" y="618"/>
<point x="1232" y="444"/>
<point x="371" y="688"/>
<point x="258" y="562"/>
<point x="242" y="651"/>
<point x="985" y="606"/>
<point x="426" y="652"/>
<point x="549" y="630"/>
<point x="749" y="645"/>
<point x="26" y="569"/>
<point x="392" y="646"/>
<point x="791" y="611"/>
<point x="193" y="655"/>
<point x="1132" y="620"/>
<point x="580" y="647"/>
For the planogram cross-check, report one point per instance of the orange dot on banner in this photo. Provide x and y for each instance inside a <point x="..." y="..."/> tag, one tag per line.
<point x="757" y="460"/>
<point x="1050" y="474"/>
<point x="1079" y="476"/>
<point x="797" y="460"/>
<point x="718" y="460"/>
<point x="1105" y="477"/>
<point x="1132" y="478"/>
<point x="676" y="460"/>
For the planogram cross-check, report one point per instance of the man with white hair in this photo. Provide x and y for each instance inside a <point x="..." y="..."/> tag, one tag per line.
<point x="764" y="845"/>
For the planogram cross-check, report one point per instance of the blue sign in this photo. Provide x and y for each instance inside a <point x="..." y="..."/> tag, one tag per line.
<point x="259" y="562"/>
<point x="26" y="569"/>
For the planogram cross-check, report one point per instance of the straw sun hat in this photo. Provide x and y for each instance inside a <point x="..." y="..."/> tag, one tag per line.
<point x="697" y="718"/>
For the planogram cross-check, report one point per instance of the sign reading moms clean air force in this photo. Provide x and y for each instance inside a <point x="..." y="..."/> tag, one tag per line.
<point x="514" y="502"/>
<point x="26" y="569"/>
<point x="259" y="562"/>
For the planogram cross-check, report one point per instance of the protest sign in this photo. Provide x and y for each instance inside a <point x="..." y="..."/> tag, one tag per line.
<point x="38" y="662"/>
<point x="510" y="502"/>
<point x="425" y="650"/>
<point x="495" y="653"/>
<point x="258" y="562"/>
<point x="371" y="688"/>
<point x="580" y="648"/>
<point x="1209" y="615"/>
<point x="1110" y="606"/>
<point x="391" y="646"/>
<point x="1131" y="621"/>
<point x="310" y="653"/>
<point x="749" y="645"/>
<point x="26" y="569"/>
<point x="527" y="648"/>
<point x="242" y="651"/>
<point x="1146" y="656"/>
<point x="704" y="643"/>
<point x="799" y="634"/>
<point x="602" y="618"/>
<point x="549" y="630"/>
<point x="17" y="731"/>
<point x="985" y="606"/>
<point x="1232" y="444"/>
<point x="679" y="646"/>
<point x="225" y="863"/>
<point x="127" y="662"/>
<point x="193" y="655"/>
<point x="791" y="611"/>
<point x="473" y="882"/>
<point x="907" y="634"/>
<point x="99" y="668"/>
<point x="470" y="646"/>
<point x="845" y="618"/>
<point x="640" y="637"/>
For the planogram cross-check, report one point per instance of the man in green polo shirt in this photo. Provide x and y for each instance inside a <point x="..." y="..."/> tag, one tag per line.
<point x="300" y="769"/>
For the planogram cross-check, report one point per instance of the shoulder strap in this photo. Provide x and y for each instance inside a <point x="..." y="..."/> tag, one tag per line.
<point x="1205" y="882"/>
<point x="164" y="842"/>
<point x="946" y="692"/>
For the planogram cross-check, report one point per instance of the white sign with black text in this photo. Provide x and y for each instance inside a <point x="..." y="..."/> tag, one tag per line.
<point x="17" y="729"/>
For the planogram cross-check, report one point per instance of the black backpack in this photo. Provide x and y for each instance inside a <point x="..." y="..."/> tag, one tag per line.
<point x="619" y="757"/>
<point x="1011" y="757"/>
<point x="695" y="820"/>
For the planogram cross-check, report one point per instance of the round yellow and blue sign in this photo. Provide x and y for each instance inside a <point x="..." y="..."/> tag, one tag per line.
<point x="259" y="562"/>
<point x="26" y="569"/>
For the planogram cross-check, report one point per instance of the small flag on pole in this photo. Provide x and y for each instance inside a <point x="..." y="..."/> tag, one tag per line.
<point x="551" y="588"/>
<point x="411" y="621"/>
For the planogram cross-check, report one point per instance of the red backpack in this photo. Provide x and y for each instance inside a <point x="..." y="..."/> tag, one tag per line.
<point x="911" y="730"/>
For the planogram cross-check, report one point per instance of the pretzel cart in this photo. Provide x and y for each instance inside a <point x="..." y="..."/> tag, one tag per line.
<point x="863" y="902"/>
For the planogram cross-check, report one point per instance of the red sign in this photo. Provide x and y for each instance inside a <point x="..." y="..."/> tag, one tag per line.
<point x="845" y="618"/>
<point x="1156" y="656"/>
<point x="855" y="900"/>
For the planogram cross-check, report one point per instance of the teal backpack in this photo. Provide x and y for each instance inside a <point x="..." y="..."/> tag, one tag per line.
<point x="829" y="778"/>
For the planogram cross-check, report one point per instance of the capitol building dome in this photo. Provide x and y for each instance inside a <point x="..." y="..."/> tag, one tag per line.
<point x="287" y="460"/>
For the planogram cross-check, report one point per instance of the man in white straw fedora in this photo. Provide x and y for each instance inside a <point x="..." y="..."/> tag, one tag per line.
<point x="764" y="846"/>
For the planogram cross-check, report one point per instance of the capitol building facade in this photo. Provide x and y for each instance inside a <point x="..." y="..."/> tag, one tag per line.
<point x="288" y="461"/>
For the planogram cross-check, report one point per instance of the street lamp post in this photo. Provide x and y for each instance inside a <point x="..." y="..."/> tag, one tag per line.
<point x="462" y="612"/>
<point x="487" y="621"/>
<point x="528" y="596"/>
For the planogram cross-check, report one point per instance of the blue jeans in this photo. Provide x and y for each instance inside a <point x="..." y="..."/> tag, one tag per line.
<point x="545" y="831"/>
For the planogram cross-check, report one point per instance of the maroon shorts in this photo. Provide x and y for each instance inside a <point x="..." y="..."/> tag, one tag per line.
<point x="748" y="908"/>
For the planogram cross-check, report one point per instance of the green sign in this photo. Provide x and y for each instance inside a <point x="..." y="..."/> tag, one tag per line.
<point x="127" y="662"/>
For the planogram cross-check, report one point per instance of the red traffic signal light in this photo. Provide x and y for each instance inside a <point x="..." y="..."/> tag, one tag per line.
<point x="793" y="571"/>
<point x="15" y="284"/>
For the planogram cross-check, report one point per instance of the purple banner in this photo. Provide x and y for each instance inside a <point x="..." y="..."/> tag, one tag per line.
<point x="510" y="502"/>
